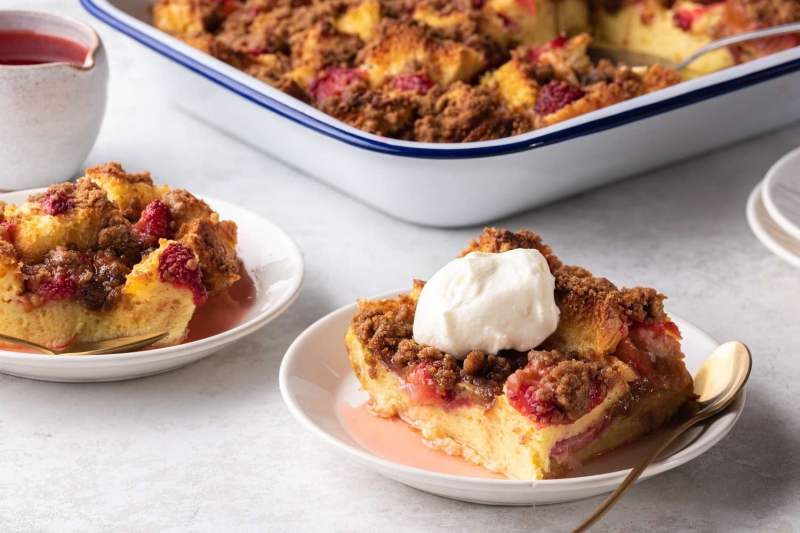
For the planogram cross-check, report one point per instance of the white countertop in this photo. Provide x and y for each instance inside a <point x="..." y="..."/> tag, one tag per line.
<point x="211" y="447"/>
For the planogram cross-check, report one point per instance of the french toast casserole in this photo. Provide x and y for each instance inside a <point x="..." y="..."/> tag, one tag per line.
<point x="110" y="256"/>
<point x="449" y="71"/>
<point x="610" y="372"/>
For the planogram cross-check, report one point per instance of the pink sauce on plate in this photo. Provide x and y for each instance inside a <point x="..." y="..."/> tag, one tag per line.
<point x="224" y="310"/>
<point x="31" y="48"/>
<point x="396" y="441"/>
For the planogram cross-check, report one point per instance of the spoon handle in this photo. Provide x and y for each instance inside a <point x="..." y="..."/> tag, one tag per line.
<point x="26" y="344"/>
<point x="645" y="462"/>
<point x="739" y="38"/>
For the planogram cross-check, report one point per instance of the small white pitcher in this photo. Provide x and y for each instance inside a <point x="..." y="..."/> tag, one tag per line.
<point x="50" y="114"/>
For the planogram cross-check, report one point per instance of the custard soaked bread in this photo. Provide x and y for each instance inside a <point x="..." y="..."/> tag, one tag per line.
<point x="428" y="70"/>
<point x="464" y="70"/>
<point x="611" y="371"/>
<point x="112" y="255"/>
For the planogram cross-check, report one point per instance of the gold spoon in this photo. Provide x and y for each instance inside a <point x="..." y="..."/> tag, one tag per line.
<point x="123" y="344"/>
<point x="718" y="382"/>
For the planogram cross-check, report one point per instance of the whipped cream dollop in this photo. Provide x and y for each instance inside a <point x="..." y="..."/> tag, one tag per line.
<point x="488" y="302"/>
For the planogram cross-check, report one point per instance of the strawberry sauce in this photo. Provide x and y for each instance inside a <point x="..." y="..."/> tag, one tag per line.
<point x="30" y="48"/>
<point x="396" y="441"/>
<point x="224" y="310"/>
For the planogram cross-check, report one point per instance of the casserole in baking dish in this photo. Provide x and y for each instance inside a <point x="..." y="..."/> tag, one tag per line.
<point x="468" y="183"/>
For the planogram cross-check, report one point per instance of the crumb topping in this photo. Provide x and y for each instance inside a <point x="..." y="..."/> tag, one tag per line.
<point x="94" y="280"/>
<point x="495" y="241"/>
<point x="211" y="243"/>
<point x="116" y="172"/>
<point x="386" y="328"/>
<point x="184" y="206"/>
<point x="93" y="244"/>
<point x="555" y="383"/>
<point x="558" y="388"/>
<point x="770" y="12"/>
<point x="427" y="70"/>
<point x="65" y="197"/>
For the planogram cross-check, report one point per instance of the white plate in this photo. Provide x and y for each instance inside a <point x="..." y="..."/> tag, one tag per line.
<point x="269" y="255"/>
<point x="767" y="230"/>
<point x="781" y="193"/>
<point x="316" y="377"/>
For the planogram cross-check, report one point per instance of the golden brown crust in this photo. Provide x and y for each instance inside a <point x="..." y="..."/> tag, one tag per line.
<point x="83" y="195"/>
<point x="116" y="172"/>
<point x="564" y="386"/>
<point x="769" y="12"/>
<point x="583" y="299"/>
<point x="385" y="327"/>
<point x="495" y="241"/>
<point x="8" y="255"/>
<point x="658" y="77"/>
<point x="74" y="242"/>
<point x="215" y="246"/>
<point x="485" y="88"/>
<point x="389" y="114"/>
<point x="464" y="113"/>
<point x="185" y="207"/>
<point x="596" y="317"/>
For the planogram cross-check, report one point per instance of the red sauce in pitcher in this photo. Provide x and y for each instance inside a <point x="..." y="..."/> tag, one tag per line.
<point x="31" y="48"/>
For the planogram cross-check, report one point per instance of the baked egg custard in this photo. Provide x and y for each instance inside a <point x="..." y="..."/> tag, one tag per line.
<point x="110" y="256"/>
<point x="449" y="71"/>
<point x="610" y="372"/>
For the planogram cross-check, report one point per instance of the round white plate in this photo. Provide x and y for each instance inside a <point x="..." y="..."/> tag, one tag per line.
<point x="780" y="193"/>
<point x="269" y="255"/>
<point x="767" y="230"/>
<point x="316" y="378"/>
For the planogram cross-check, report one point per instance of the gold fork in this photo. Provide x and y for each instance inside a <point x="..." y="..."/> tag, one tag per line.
<point x="123" y="344"/>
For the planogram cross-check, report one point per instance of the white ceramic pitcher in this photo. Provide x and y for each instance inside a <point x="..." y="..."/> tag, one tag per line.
<point x="50" y="114"/>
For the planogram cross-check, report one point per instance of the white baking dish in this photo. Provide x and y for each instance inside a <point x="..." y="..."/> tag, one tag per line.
<point x="451" y="185"/>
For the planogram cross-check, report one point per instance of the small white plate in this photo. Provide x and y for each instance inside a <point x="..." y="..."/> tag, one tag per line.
<point x="316" y="378"/>
<point x="780" y="193"/>
<point x="270" y="257"/>
<point x="768" y="231"/>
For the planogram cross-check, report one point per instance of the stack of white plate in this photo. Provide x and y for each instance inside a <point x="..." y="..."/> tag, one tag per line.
<point x="773" y="209"/>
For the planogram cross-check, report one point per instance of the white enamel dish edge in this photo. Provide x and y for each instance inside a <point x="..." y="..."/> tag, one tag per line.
<point x="315" y="378"/>
<point x="768" y="231"/>
<point x="269" y="255"/>
<point x="781" y="193"/>
<point x="468" y="184"/>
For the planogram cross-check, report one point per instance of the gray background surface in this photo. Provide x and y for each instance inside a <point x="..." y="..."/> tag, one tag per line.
<point x="211" y="447"/>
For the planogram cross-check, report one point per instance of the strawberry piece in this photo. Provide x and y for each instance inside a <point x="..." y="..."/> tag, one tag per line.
<point x="153" y="224"/>
<point x="177" y="265"/>
<point x="554" y="96"/>
<point x="56" y="202"/>
<point x="555" y="44"/>
<point x="529" y="6"/>
<point x="7" y="231"/>
<point x="509" y="24"/>
<point x="418" y="83"/>
<point x="597" y="394"/>
<point x="564" y="450"/>
<point x="521" y="390"/>
<point x="684" y="19"/>
<point x="54" y="289"/>
<point x="421" y="385"/>
<point x="333" y="81"/>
